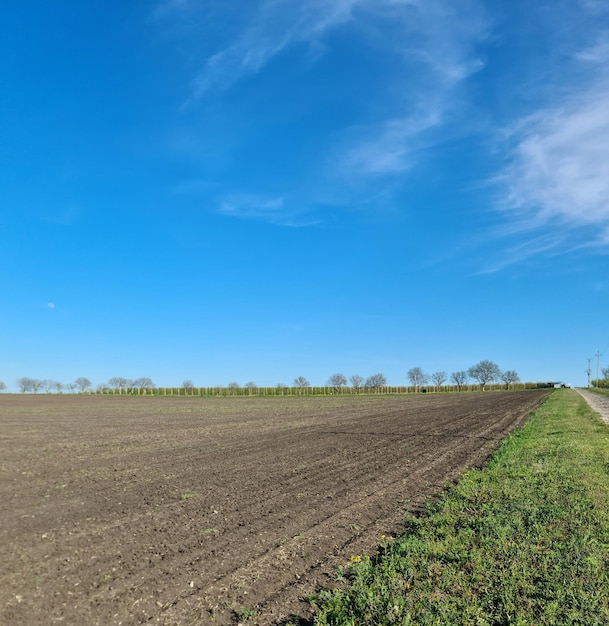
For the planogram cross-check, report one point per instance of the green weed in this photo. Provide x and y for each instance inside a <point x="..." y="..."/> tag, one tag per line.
<point x="243" y="613"/>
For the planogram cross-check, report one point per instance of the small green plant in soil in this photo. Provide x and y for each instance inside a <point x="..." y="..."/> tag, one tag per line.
<point x="244" y="614"/>
<point x="524" y="541"/>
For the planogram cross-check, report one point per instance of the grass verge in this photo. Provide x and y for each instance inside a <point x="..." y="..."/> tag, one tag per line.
<point x="601" y="391"/>
<point x="524" y="540"/>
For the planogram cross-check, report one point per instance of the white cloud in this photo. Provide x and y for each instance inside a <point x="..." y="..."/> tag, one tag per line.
<point x="251" y="205"/>
<point x="276" y="25"/>
<point x="598" y="53"/>
<point x="559" y="170"/>
<point x="438" y="50"/>
<point x="50" y="305"/>
<point x="271" y="209"/>
<point x="555" y="183"/>
<point x="387" y="149"/>
<point x="439" y="33"/>
<point x="432" y="45"/>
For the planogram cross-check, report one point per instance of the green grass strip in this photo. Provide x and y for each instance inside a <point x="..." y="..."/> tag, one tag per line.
<point x="524" y="540"/>
<point x="601" y="391"/>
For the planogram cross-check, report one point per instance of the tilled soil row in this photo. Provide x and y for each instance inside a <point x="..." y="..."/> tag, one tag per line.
<point x="189" y="510"/>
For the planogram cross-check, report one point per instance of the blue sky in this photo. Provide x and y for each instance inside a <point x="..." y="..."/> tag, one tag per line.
<point x="254" y="190"/>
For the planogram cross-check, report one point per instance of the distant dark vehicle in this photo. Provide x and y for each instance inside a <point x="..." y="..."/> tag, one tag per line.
<point x="553" y="385"/>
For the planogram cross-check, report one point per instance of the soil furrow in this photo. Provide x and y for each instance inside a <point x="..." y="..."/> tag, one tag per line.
<point x="183" y="510"/>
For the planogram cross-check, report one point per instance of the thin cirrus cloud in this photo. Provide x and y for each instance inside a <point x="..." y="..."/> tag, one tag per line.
<point x="438" y="48"/>
<point x="240" y="204"/>
<point x="436" y="42"/>
<point x="271" y="209"/>
<point x="555" y="182"/>
<point x="440" y="34"/>
<point x="557" y="177"/>
<point x="276" y="25"/>
<point x="388" y="148"/>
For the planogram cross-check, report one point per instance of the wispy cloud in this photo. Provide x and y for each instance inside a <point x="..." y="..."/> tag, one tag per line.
<point x="388" y="148"/>
<point x="555" y="183"/>
<point x="438" y="35"/>
<point x="598" y="53"/>
<point x="558" y="175"/>
<point x="249" y="205"/>
<point x="276" y="25"/>
<point x="271" y="209"/>
<point x="438" y="47"/>
<point x="424" y="51"/>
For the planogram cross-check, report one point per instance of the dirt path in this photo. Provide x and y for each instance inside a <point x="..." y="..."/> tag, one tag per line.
<point x="597" y="402"/>
<point x="188" y="511"/>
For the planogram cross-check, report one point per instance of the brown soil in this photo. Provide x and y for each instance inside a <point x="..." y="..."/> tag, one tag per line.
<point x="187" y="510"/>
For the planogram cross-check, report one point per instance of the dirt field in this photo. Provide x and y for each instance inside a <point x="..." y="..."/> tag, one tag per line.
<point x="187" y="510"/>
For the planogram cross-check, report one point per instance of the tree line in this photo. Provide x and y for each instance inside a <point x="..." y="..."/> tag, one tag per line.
<point x="483" y="373"/>
<point x="80" y="385"/>
<point x="604" y="381"/>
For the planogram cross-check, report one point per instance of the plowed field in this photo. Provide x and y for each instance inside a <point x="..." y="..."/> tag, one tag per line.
<point x="127" y="510"/>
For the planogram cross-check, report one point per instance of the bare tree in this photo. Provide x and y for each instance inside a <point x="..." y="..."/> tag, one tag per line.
<point x="484" y="372"/>
<point x="417" y="377"/>
<point x="83" y="384"/>
<point x="376" y="381"/>
<point x="188" y="385"/>
<point x="56" y="386"/>
<point x="301" y="382"/>
<point x="251" y="387"/>
<point x="605" y="372"/>
<point x="118" y="383"/>
<point x="459" y="378"/>
<point x="357" y="382"/>
<point x="438" y="379"/>
<point x="281" y="388"/>
<point x="233" y="387"/>
<point x="26" y="384"/>
<point x="336" y="381"/>
<point x="143" y="383"/>
<point x="2" y="386"/>
<point x="509" y="377"/>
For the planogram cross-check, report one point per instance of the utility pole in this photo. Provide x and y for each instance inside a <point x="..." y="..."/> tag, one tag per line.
<point x="588" y="371"/>
<point x="598" y="358"/>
